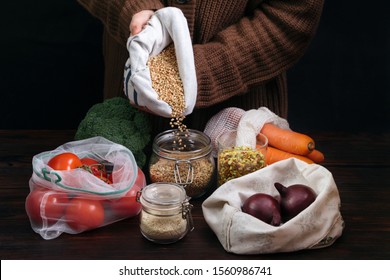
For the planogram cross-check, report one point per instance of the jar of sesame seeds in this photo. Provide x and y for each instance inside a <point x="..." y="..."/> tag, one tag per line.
<point x="166" y="213"/>
<point x="184" y="158"/>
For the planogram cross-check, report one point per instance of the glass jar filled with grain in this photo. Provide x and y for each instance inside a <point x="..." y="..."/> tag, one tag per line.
<point x="166" y="213"/>
<point x="184" y="158"/>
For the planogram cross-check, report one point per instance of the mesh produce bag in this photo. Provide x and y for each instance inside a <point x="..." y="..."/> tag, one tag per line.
<point x="247" y="124"/>
<point x="226" y="120"/>
<point x="78" y="180"/>
<point x="77" y="200"/>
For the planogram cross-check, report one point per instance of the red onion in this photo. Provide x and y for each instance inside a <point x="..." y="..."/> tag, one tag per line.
<point x="263" y="207"/>
<point x="294" y="199"/>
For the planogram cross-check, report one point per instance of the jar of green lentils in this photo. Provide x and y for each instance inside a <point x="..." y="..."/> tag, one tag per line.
<point x="183" y="157"/>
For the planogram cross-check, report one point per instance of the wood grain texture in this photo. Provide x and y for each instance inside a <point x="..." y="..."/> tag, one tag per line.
<point x="359" y="163"/>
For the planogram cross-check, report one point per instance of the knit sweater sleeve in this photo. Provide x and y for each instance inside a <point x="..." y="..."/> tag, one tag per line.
<point x="116" y="14"/>
<point x="255" y="49"/>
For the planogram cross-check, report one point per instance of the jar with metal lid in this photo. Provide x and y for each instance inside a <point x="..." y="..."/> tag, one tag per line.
<point x="166" y="213"/>
<point x="184" y="158"/>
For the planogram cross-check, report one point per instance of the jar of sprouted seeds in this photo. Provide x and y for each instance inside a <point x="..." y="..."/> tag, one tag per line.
<point x="235" y="160"/>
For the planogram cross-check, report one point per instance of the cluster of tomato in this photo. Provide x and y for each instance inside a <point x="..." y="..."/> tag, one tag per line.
<point x="69" y="161"/>
<point x="81" y="213"/>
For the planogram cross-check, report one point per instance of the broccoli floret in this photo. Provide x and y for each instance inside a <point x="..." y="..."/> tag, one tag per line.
<point x="119" y="122"/>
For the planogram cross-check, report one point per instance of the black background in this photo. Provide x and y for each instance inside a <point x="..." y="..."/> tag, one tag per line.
<point x="52" y="68"/>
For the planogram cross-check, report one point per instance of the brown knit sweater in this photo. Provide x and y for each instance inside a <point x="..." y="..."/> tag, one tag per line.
<point x="242" y="49"/>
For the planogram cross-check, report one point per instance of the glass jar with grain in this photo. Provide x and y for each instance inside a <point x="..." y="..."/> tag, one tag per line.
<point x="184" y="158"/>
<point x="166" y="213"/>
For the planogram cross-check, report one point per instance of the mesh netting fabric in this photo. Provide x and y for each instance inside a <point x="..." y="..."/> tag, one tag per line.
<point x="225" y="120"/>
<point x="247" y="123"/>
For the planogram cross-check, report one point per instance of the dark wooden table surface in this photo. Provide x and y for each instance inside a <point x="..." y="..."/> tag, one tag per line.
<point x="359" y="163"/>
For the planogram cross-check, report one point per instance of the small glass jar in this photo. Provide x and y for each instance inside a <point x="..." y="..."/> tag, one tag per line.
<point x="235" y="161"/>
<point x="166" y="213"/>
<point x="184" y="158"/>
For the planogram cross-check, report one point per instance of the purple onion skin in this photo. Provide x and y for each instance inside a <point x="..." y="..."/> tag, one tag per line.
<point x="263" y="207"/>
<point x="294" y="199"/>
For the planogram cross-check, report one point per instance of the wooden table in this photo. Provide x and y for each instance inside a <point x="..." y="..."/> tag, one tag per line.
<point x="359" y="163"/>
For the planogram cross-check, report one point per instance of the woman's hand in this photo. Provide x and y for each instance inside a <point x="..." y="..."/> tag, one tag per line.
<point x="139" y="20"/>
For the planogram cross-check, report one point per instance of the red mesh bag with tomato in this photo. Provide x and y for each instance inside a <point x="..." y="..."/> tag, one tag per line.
<point x="83" y="185"/>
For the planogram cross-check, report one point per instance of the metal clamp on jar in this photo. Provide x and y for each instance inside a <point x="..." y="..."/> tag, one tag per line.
<point x="184" y="158"/>
<point x="166" y="213"/>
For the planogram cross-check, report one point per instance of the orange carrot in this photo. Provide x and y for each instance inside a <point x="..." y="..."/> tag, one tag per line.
<point x="287" y="140"/>
<point x="273" y="155"/>
<point x="316" y="156"/>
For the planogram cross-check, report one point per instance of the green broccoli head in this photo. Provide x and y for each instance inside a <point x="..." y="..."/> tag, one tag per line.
<point x="116" y="120"/>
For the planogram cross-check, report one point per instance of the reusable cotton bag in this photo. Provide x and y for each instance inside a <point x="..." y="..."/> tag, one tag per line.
<point x="319" y="225"/>
<point x="167" y="25"/>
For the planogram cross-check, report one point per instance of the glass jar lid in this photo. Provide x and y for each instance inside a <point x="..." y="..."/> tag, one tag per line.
<point x="164" y="194"/>
<point x="175" y="144"/>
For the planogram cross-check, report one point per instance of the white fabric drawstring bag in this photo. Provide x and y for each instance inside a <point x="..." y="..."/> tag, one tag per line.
<point x="247" y="123"/>
<point x="317" y="226"/>
<point x="253" y="121"/>
<point x="167" y="25"/>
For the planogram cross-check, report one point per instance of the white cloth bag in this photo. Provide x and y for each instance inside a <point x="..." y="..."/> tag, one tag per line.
<point x="317" y="226"/>
<point x="253" y="121"/>
<point x="167" y="25"/>
<point x="247" y="124"/>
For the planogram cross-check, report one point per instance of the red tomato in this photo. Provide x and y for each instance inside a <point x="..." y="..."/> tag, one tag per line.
<point x="44" y="205"/>
<point x="65" y="161"/>
<point x="96" y="168"/>
<point x="84" y="214"/>
<point x="128" y="206"/>
<point x="89" y="161"/>
<point x="141" y="179"/>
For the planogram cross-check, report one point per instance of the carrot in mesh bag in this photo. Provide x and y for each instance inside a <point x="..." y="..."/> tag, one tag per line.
<point x="283" y="143"/>
<point x="288" y="140"/>
<point x="316" y="156"/>
<point x="75" y="200"/>
<point x="274" y="155"/>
